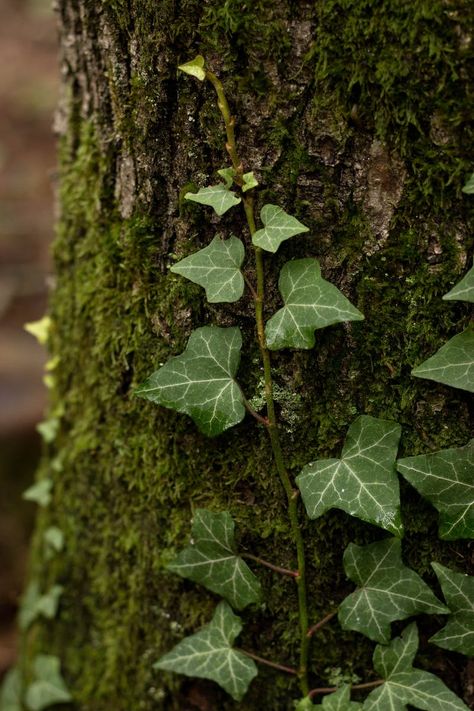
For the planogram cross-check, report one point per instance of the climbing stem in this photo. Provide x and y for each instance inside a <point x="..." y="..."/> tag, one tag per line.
<point x="321" y="623"/>
<point x="354" y="687"/>
<point x="276" y="568"/>
<point x="272" y="427"/>
<point x="268" y="663"/>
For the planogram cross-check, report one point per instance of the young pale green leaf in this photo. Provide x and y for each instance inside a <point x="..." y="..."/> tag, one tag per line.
<point x="406" y="685"/>
<point x="250" y="182"/>
<point x="469" y="186"/>
<point x="208" y="654"/>
<point x="278" y="227"/>
<point x="35" y="605"/>
<point x="48" y="429"/>
<point x="363" y="482"/>
<point x="387" y="591"/>
<point x="54" y="539"/>
<point x="340" y="700"/>
<point x="40" y="492"/>
<point x="304" y="704"/>
<point x="249" y="179"/>
<point x="11" y="691"/>
<point x="49" y="687"/>
<point x="39" y="329"/>
<point x="200" y="382"/>
<point x="458" y="591"/>
<point x="464" y="290"/>
<point x="195" y="67"/>
<point x="453" y="364"/>
<point x="217" y="196"/>
<point x="228" y="174"/>
<point x="212" y="561"/>
<point x="446" y="479"/>
<point x="217" y="269"/>
<point x="311" y="302"/>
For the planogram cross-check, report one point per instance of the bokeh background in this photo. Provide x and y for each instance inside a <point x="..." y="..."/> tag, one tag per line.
<point x="28" y="94"/>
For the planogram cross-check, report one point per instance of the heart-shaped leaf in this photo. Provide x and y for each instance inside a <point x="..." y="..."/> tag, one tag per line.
<point x="453" y="364"/>
<point x="311" y="302"/>
<point x="278" y="227"/>
<point x="463" y="290"/>
<point x="35" y="605"/>
<point x="212" y="561"/>
<point x="208" y="654"/>
<point x="340" y="700"/>
<point x="195" y="67"/>
<point x="54" y="539"/>
<point x="458" y="591"/>
<point x="387" y="591"/>
<point x="250" y="182"/>
<point x="363" y="482"/>
<point x="39" y="329"/>
<point x="469" y="185"/>
<point x="406" y="685"/>
<point x="49" y="687"/>
<point x="40" y="492"/>
<point x="11" y="691"/>
<point x="217" y="269"/>
<point x="446" y="479"/>
<point x="217" y="196"/>
<point x="200" y="382"/>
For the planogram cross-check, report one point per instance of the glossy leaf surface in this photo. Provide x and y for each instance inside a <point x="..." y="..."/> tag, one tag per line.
<point x="363" y="482"/>
<point x="464" y="290"/>
<point x="387" y="591"/>
<point x="195" y="67"/>
<point x="200" y="382"/>
<point x="217" y="269"/>
<point x="446" y="479"/>
<point x="212" y="561"/>
<point x="340" y="700"/>
<point x="217" y="196"/>
<point x="458" y="591"/>
<point x="208" y="654"/>
<point x="453" y="364"/>
<point x="278" y="227"/>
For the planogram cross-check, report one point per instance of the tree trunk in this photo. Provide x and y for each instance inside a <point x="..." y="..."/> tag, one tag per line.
<point x="354" y="115"/>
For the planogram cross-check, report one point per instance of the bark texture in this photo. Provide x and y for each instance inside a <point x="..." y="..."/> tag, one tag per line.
<point x="355" y="116"/>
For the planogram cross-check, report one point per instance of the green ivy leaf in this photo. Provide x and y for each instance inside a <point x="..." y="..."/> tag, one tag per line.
<point x="40" y="492"/>
<point x="212" y="561"/>
<point x="228" y="174"/>
<point x="195" y="67"/>
<point x="39" y="329"/>
<point x="458" y="591"/>
<point x="208" y="654"/>
<point x="278" y="227"/>
<point x="11" y="691"/>
<point x="217" y="196"/>
<point x="453" y="364"/>
<point x="217" y="269"/>
<point x="35" y="605"/>
<point x="48" y="429"/>
<point x="200" y="382"/>
<point x="464" y="290"/>
<point x="304" y="704"/>
<point x="363" y="482"/>
<point x="388" y="590"/>
<point x="49" y="687"/>
<point x="469" y="186"/>
<point x="446" y="479"/>
<point x="250" y="182"/>
<point x="311" y="302"/>
<point x="54" y="539"/>
<point x="406" y="685"/>
<point x="340" y="700"/>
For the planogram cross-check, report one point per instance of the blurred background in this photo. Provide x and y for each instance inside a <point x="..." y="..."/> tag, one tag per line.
<point x="28" y="91"/>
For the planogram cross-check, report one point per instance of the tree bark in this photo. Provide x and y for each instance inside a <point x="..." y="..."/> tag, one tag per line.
<point x="355" y="117"/>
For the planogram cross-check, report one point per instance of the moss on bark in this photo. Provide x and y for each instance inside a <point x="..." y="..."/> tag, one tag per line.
<point x="355" y="116"/>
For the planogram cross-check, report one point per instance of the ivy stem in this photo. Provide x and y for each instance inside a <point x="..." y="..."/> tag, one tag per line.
<point x="321" y="623"/>
<point x="276" y="568"/>
<point x="251" y="411"/>
<point x="291" y="493"/>
<point x="268" y="663"/>
<point x="354" y="687"/>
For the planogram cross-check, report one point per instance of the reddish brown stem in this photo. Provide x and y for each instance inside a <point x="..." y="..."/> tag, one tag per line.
<point x="321" y="623"/>
<point x="332" y="689"/>
<point x="251" y="411"/>
<point x="276" y="568"/>
<point x="268" y="663"/>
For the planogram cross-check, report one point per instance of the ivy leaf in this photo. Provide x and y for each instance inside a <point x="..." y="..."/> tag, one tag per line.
<point x="49" y="687"/>
<point x="340" y="700"/>
<point x="39" y="329"/>
<point x="453" y="364"/>
<point x="54" y="539"/>
<point x="278" y="227"/>
<point x="35" y="605"/>
<point x="388" y="590"/>
<point x="11" y="691"/>
<point x="304" y="704"/>
<point x="228" y="174"/>
<point x="200" y="382"/>
<point x="311" y="302"/>
<point x="40" y="492"/>
<point x="211" y="560"/>
<point x="469" y="186"/>
<point x="458" y="591"/>
<point x="446" y="479"/>
<point x="217" y="269"/>
<point x="208" y="654"/>
<point x="464" y="290"/>
<point x="363" y="482"/>
<point x="405" y="684"/>
<point x="250" y="181"/>
<point x="48" y="429"/>
<point x="217" y="196"/>
<point x="194" y="68"/>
